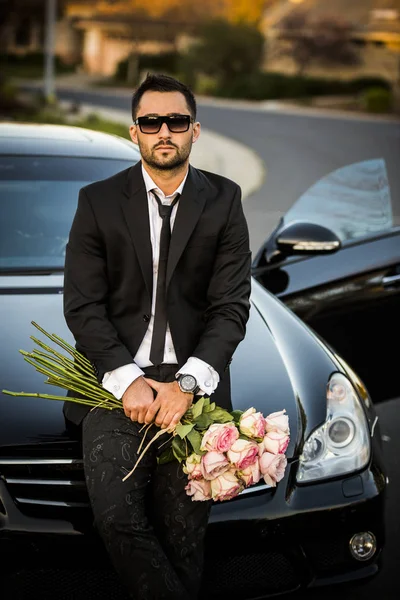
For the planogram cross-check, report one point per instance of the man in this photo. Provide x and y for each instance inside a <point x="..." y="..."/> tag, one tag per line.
<point x="159" y="315"/>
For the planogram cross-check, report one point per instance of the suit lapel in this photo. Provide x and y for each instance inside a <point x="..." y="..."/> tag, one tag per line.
<point x="136" y="210"/>
<point x="191" y="205"/>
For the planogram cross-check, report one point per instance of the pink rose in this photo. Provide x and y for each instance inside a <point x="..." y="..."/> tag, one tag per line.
<point x="243" y="453"/>
<point x="276" y="442"/>
<point x="213" y="464"/>
<point x="192" y="467"/>
<point x="225" y="486"/>
<point x="219" y="437"/>
<point x="199" y="489"/>
<point x="252" y="423"/>
<point x="272" y="467"/>
<point x="250" y="474"/>
<point x="277" y="421"/>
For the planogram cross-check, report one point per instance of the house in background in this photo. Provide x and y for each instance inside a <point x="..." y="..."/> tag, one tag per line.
<point x="22" y="30"/>
<point x="109" y="37"/>
<point x="375" y="32"/>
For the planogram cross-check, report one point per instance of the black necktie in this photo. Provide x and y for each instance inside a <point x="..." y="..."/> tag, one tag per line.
<point x="160" y="318"/>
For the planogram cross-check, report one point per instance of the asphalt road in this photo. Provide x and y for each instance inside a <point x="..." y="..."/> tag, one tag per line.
<point x="297" y="151"/>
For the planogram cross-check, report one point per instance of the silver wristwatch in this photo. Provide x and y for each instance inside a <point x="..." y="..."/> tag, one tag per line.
<point x="188" y="384"/>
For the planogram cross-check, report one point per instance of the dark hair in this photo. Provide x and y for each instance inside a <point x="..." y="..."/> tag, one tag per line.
<point x="163" y="83"/>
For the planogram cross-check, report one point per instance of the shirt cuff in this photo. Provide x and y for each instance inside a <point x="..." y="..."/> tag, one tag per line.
<point x="118" y="380"/>
<point x="207" y="377"/>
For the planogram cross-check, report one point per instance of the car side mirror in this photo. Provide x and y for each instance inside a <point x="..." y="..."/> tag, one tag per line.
<point x="302" y="238"/>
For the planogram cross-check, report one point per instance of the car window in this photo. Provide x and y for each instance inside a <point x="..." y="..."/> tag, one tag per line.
<point x="354" y="201"/>
<point x="38" y="200"/>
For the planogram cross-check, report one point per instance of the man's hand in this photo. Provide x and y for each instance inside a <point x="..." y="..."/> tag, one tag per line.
<point x="137" y="399"/>
<point x="169" y="406"/>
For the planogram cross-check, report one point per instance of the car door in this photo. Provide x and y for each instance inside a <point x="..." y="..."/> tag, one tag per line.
<point x="350" y="295"/>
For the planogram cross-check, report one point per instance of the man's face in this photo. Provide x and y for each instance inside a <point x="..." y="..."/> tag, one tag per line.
<point x="164" y="151"/>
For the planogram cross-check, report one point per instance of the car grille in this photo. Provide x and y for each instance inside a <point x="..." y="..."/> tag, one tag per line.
<point x="333" y="556"/>
<point x="250" y="575"/>
<point x="247" y="576"/>
<point x="45" y="486"/>
<point x="63" y="584"/>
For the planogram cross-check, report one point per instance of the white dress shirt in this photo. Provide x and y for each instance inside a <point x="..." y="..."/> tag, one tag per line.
<point x="118" y="380"/>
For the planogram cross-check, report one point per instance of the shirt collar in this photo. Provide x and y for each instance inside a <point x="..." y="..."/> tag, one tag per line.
<point x="150" y="185"/>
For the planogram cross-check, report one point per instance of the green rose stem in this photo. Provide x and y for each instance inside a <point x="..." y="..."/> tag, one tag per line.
<point x="75" y="375"/>
<point x="55" y="338"/>
<point x="64" y="360"/>
<point x="71" y="381"/>
<point x="88" y="394"/>
<point x="49" y="397"/>
<point x="83" y="362"/>
<point x="51" y="365"/>
<point x="76" y="383"/>
<point x="56" y="358"/>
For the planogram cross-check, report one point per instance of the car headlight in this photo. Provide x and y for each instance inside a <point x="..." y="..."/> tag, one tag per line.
<point x="342" y="444"/>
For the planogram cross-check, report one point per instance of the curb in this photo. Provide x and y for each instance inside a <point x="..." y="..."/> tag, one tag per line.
<point x="212" y="151"/>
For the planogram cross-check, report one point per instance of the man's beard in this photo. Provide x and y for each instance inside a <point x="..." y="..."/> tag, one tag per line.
<point x="170" y="163"/>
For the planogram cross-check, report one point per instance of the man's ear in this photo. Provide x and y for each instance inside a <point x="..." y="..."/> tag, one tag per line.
<point x="133" y="133"/>
<point x="196" y="132"/>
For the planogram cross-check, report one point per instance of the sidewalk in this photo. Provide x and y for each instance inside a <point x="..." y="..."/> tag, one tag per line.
<point x="211" y="152"/>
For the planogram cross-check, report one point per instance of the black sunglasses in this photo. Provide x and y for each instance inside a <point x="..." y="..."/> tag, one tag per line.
<point x="175" y="123"/>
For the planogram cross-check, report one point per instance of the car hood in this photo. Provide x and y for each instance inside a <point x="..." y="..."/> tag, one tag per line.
<point x="279" y="365"/>
<point x="29" y="421"/>
<point x="282" y="364"/>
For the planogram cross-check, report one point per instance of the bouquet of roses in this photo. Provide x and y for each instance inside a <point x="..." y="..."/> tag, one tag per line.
<point x="237" y="454"/>
<point x="222" y="452"/>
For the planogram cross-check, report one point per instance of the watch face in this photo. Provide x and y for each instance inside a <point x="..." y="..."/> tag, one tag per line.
<point x="188" y="383"/>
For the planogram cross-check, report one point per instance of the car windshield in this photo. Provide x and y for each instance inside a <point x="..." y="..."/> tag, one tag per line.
<point x="354" y="201"/>
<point x="39" y="196"/>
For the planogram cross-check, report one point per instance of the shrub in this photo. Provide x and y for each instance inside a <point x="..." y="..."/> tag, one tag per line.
<point x="11" y="100"/>
<point x="360" y="84"/>
<point x="33" y="59"/>
<point x="272" y="86"/>
<point x="204" y="85"/>
<point x="93" y="121"/>
<point x="8" y="93"/>
<point x="165" y="62"/>
<point x="377" y="100"/>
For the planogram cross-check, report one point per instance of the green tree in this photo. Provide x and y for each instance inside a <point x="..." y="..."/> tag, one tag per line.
<point x="226" y="51"/>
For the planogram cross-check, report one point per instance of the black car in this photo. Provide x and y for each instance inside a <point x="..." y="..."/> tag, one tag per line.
<point x="323" y="523"/>
<point x="350" y="297"/>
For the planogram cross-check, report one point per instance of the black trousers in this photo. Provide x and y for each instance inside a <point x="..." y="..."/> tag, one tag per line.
<point x="153" y="531"/>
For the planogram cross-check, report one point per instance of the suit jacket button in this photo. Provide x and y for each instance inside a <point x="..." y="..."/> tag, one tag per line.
<point x="146" y="318"/>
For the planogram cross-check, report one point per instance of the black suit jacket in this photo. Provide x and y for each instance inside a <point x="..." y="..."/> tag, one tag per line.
<point x="109" y="274"/>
